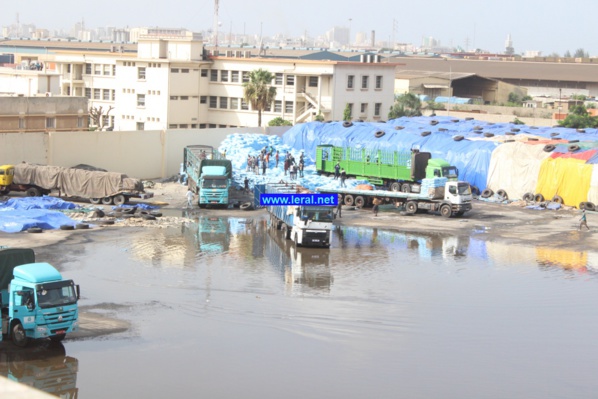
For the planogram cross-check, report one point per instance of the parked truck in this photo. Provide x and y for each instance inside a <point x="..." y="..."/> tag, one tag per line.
<point x="35" y="301"/>
<point x="98" y="187"/>
<point x="449" y="198"/>
<point x="394" y="170"/>
<point x="208" y="174"/>
<point x="305" y="225"/>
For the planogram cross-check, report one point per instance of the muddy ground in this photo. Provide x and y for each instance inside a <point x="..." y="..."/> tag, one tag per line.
<point x="511" y="223"/>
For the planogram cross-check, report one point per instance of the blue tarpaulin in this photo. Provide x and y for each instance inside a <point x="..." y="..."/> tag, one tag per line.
<point x="19" y="214"/>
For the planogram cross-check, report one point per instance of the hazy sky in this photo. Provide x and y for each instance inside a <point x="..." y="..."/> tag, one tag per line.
<point x="547" y="25"/>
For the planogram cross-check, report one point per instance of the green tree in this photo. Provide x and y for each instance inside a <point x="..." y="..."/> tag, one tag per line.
<point x="581" y="53"/>
<point x="319" y="117"/>
<point x="567" y="54"/>
<point x="514" y="99"/>
<point x="278" y="121"/>
<point x="407" y="104"/>
<point x="579" y="118"/>
<point x="347" y="112"/>
<point x="259" y="92"/>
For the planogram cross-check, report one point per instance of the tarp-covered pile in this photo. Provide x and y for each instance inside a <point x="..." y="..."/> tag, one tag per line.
<point x="76" y="182"/>
<point x="20" y="214"/>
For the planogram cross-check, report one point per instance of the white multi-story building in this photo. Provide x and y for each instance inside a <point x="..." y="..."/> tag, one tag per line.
<point x="172" y="82"/>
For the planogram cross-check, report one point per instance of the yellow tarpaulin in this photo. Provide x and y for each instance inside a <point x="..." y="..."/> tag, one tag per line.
<point x="566" y="177"/>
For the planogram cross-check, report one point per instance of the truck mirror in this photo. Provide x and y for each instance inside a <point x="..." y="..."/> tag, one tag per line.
<point x="78" y="291"/>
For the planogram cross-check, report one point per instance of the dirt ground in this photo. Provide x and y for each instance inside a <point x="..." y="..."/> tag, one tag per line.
<point x="510" y="223"/>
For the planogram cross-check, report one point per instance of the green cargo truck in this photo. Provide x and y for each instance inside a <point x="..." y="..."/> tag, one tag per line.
<point x="396" y="170"/>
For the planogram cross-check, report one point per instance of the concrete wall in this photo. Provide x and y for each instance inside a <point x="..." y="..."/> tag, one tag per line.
<point x="141" y="154"/>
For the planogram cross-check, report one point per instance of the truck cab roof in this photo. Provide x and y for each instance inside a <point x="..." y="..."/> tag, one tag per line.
<point x="37" y="273"/>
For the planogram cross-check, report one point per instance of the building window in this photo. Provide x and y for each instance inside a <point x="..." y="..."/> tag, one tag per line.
<point x="244" y="105"/>
<point x="96" y="94"/>
<point x="106" y="95"/>
<point x="68" y="68"/>
<point x="202" y="125"/>
<point x="184" y="97"/>
<point x="204" y="73"/>
<point x="212" y="126"/>
<point x="113" y="95"/>
<point x="113" y="70"/>
<point x="50" y="123"/>
<point x="290" y="80"/>
<point x="107" y="69"/>
<point x="377" y="109"/>
<point x="174" y="98"/>
<point x="141" y="73"/>
<point x="313" y="81"/>
<point x="364" y="81"/>
<point x="213" y="102"/>
<point x="364" y="108"/>
<point x="140" y="102"/>
<point x="214" y="75"/>
<point x="245" y="76"/>
<point x="185" y="70"/>
<point x="194" y="126"/>
<point x="224" y="76"/>
<point x="172" y="126"/>
<point x="88" y="69"/>
<point x="223" y="102"/>
<point x="174" y="70"/>
<point x="378" y="82"/>
<point x="183" y="126"/>
<point x="350" y="81"/>
<point x="203" y="99"/>
<point x="288" y="107"/>
<point x="88" y="92"/>
<point x="97" y="69"/>
<point x="234" y="103"/>
<point x="234" y="76"/>
<point x="278" y="79"/>
<point x="278" y="106"/>
<point x="140" y="126"/>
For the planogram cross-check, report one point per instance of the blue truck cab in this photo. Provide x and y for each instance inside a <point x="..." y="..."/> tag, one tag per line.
<point x="36" y="302"/>
<point x="208" y="174"/>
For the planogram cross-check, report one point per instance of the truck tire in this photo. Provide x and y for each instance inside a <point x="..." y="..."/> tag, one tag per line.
<point x="33" y="192"/>
<point x="244" y="206"/>
<point x="395" y="186"/>
<point x="4" y="191"/>
<point x="286" y="232"/>
<point x="487" y="193"/>
<point x="405" y="188"/>
<point x="107" y="200"/>
<point x="502" y="195"/>
<point x="57" y="338"/>
<point x="446" y="211"/>
<point x="411" y="207"/>
<point x="18" y="335"/>
<point x="528" y="197"/>
<point x="359" y="201"/>
<point x="348" y="200"/>
<point x="119" y="200"/>
<point x="95" y="201"/>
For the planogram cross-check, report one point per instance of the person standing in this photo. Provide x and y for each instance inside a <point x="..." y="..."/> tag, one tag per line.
<point x="583" y="221"/>
<point x="264" y="165"/>
<point x="277" y="157"/>
<point x="376" y="202"/>
<point x="189" y="198"/>
<point x="301" y="166"/>
<point x="339" y="206"/>
<point x="246" y="184"/>
<point x="337" y="170"/>
<point x="343" y="177"/>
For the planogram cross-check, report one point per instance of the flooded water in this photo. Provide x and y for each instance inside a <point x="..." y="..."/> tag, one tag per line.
<point x="226" y="308"/>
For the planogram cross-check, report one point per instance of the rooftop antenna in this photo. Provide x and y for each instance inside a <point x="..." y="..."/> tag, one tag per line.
<point x="216" y="23"/>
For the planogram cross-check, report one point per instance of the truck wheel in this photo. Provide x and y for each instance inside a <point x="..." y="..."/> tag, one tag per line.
<point x="446" y="211"/>
<point x="349" y="200"/>
<point x="4" y="191"/>
<point x="18" y="335"/>
<point x="119" y="200"/>
<point x="411" y="207"/>
<point x="359" y="201"/>
<point x="95" y="201"/>
<point x="107" y="200"/>
<point x="395" y="186"/>
<point x="286" y="232"/>
<point x="33" y="192"/>
<point x="405" y="188"/>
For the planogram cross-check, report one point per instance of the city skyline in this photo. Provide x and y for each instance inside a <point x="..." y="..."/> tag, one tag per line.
<point x="533" y="25"/>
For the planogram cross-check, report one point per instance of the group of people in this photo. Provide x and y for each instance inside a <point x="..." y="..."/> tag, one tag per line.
<point x="292" y="166"/>
<point x="340" y="173"/>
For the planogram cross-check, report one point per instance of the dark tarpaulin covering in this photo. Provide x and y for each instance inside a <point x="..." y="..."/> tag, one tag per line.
<point x="76" y="182"/>
<point x="11" y="258"/>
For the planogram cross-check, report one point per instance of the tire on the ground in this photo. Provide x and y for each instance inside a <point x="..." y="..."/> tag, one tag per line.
<point x="549" y="147"/>
<point x="458" y="138"/>
<point x="34" y="230"/>
<point x="156" y="213"/>
<point x="434" y="122"/>
<point x="245" y="206"/>
<point x="502" y="194"/>
<point x="426" y="133"/>
<point x="528" y="197"/>
<point x="475" y="190"/>
<point x="488" y="134"/>
<point x="590" y="206"/>
<point x="487" y="193"/>
<point x="558" y="199"/>
<point x="574" y="148"/>
<point x="147" y="216"/>
<point x="67" y="227"/>
<point x="82" y="226"/>
<point x="582" y="205"/>
<point x="538" y="198"/>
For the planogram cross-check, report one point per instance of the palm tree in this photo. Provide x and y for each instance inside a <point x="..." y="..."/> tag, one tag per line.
<point x="258" y="91"/>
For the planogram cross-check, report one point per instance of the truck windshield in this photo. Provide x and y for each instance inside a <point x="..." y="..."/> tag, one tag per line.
<point x="450" y="172"/>
<point x="214" y="183"/>
<point x="464" y="188"/>
<point x="50" y="295"/>
<point x="317" y="215"/>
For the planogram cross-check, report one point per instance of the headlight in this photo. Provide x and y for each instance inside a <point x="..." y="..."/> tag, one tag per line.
<point x="42" y="330"/>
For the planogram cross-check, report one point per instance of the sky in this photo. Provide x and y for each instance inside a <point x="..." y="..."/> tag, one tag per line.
<point x="549" y="26"/>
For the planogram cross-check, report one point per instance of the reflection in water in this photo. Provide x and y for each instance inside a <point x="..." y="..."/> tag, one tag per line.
<point x="43" y="365"/>
<point x="309" y="267"/>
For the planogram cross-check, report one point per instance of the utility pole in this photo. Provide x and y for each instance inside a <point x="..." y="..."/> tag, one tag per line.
<point x="215" y="29"/>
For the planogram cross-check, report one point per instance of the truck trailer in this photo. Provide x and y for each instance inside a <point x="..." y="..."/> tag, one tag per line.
<point x="394" y="170"/>
<point x="209" y="175"/>
<point x="305" y="225"/>
<point x="98" y="187"/>
<point x="35" y="301"/>
<point x="449" y="198"/>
